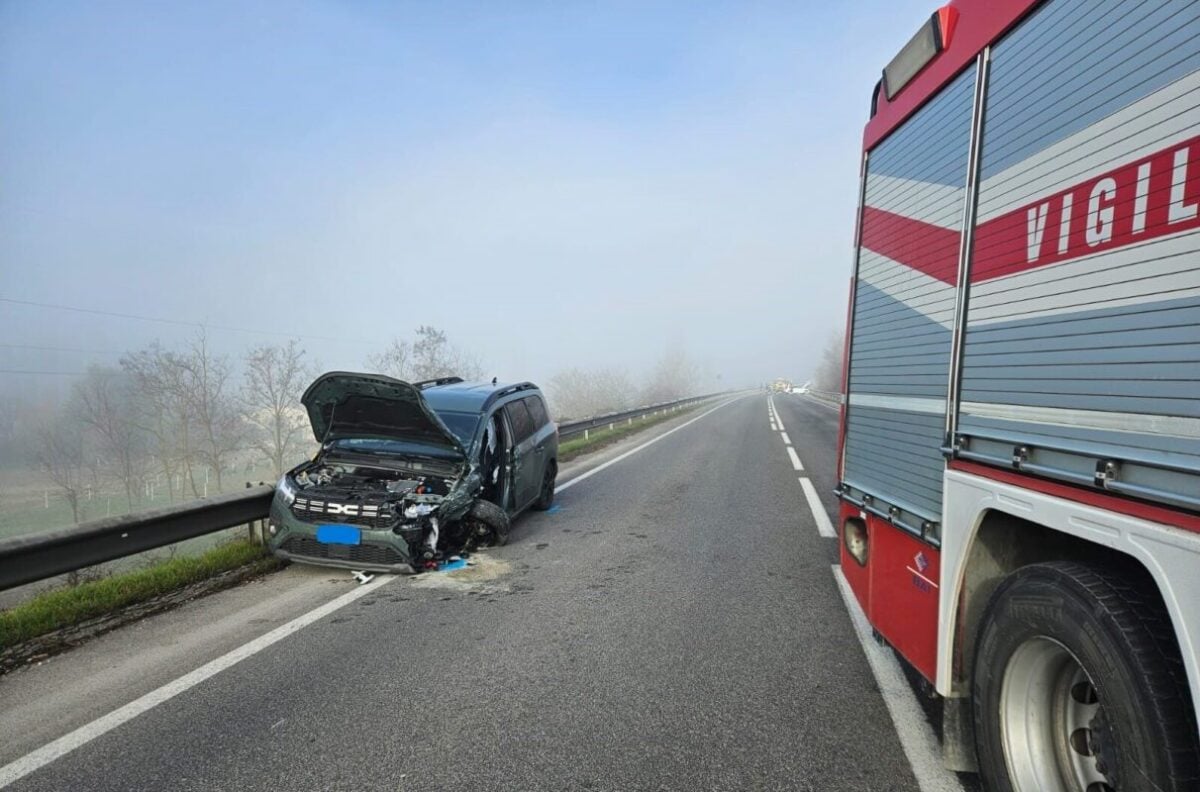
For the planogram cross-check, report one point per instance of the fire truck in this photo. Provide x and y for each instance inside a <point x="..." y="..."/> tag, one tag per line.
<point x="1019" y="451"/>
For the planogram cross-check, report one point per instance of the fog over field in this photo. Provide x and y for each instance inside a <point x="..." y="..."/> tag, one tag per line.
<point x="553" y="185"/>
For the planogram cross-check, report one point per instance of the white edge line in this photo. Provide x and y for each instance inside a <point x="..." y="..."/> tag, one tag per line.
<point x="37" y="759"/>
<point x="824" y="527"/>
<point x="785" y="437"/>
<point x="796" y="464"/>
<point x="647" y="444"/>
<point x="916" y="738"/>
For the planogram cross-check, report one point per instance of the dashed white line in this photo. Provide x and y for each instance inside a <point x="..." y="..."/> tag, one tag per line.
<point x="796" y="465"/>
<point x="824" y="527"/>
<point x="43" y="756"/>
<point x="916" y="738"/>
<point x="787" y="440"/>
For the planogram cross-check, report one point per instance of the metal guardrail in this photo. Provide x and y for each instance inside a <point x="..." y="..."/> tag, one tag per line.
<point x="33" y="557"/>
<point x="829" y="397"/>
<point x="569" y="429"/>
<point x="25" y="559"/>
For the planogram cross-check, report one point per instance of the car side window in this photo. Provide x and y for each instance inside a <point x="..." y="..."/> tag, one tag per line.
<point x="537" y="408"/>
<point x="522" y="421"/>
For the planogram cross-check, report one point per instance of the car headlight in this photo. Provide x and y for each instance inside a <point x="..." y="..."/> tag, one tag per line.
<point x="287" y="489"/>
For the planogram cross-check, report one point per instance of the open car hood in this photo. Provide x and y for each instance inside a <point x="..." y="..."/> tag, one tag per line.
<point x="343" y="404"/>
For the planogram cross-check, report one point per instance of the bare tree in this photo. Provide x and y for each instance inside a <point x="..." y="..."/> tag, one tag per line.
<point x="58" y="448"/>
<point x="104" y="403"/>
<point x="429" y="356"/>
<point x="434" y="356"/>
<point x="14" y="413"/>
<point x="675" y="376"/>
<point x="275" y="379"/>
<point x="208" y="392"/>
<point x="395" y="361"/>
<point x="828" y="376"/>
<point x="163" y="411"/>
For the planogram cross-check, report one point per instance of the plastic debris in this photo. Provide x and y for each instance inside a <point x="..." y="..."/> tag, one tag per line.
<point x="362" y="577"/>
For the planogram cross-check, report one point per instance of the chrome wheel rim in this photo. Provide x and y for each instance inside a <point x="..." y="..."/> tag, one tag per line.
<point x="1052" y="722"/>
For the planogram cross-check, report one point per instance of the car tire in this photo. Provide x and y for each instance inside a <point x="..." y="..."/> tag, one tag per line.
<point x="546" y="496"/>
<point x="495" y="518"/>
<point x="1078" y="684"/>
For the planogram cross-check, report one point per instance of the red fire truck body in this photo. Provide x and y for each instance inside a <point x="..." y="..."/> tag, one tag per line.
<point x="1022" y="377"/>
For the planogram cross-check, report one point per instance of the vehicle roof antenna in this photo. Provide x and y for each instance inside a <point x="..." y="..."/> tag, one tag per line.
<point x="493" y="380"/>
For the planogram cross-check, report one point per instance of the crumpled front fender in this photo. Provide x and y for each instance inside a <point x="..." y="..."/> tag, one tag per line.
<point x="460" y="498"/>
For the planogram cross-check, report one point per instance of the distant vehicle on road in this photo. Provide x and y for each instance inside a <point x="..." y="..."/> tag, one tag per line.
<point x="410" y="474"/>
<point x="1019" y="463"/>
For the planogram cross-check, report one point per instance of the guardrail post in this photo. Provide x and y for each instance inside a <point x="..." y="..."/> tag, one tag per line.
<point x="630" y="421"/>
<point x="586" y="434"/>
<point x="254" y="530"/>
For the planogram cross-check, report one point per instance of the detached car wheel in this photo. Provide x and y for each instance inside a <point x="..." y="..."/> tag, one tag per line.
<point x="1079" y="686"/>
<point x="546" y="496"/>
<point x="491" y="522"/>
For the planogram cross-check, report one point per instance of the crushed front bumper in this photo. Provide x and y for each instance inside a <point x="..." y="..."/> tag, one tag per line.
<point x="296" y="540"/>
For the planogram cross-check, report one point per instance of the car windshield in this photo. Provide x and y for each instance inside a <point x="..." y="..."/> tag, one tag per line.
<point x="460" y="423"/>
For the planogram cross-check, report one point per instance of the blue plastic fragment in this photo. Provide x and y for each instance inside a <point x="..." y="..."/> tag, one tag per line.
<point x="450" y="566"/>
<point x="555" y="509"/>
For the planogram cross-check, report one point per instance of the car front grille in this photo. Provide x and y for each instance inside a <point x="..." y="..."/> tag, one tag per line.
<point x="307" y="547"/>
<point x="370" y="515"/>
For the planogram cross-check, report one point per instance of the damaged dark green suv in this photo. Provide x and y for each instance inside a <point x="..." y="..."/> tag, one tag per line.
<point x="409" y="474"/>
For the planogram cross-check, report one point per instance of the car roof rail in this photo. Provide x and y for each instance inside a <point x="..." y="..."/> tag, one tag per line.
<point x="507" y="390"/>
<point x="520" y="386"/>
<point x="431" y="383"/>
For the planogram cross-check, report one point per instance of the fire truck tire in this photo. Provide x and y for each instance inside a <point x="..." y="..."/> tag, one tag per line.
<point x="1079" y="685"/>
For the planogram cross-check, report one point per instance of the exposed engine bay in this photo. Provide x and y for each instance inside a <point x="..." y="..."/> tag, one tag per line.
<point x="414" y="500"/>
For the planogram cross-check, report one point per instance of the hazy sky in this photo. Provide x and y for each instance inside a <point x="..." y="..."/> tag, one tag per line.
<point x="553" y="184"/>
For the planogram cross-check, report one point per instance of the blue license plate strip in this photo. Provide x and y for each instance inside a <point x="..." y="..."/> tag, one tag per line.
<point x="339" y="534"/>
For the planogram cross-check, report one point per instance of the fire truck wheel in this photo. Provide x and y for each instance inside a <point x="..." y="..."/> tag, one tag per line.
<point x="1079" y="686"/>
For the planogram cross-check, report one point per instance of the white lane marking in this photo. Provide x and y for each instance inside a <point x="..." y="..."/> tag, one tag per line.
<point x="48" y="753"/>
<point x="785" y="437"/>
<point x="647" y="444"/>
<point x="916" y="738"/>
<point x="774" y="428"/>
<point x="795" y="459"/>
<point x="824" y="527"/>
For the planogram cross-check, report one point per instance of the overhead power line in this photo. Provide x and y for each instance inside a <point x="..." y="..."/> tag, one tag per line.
<point x="46" y="373"/>
<point x="180" y="322"/>
<point x="61" y="349"/>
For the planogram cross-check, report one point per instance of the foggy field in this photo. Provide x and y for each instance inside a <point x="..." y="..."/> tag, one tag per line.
<point x="30" y="502"/>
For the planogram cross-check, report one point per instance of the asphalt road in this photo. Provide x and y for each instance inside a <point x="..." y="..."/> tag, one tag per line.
<point x="672" y="625"/>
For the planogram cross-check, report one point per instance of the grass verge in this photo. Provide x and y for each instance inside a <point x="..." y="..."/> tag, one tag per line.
<point x="64" y="607"/>
<point x="598" y="438"/>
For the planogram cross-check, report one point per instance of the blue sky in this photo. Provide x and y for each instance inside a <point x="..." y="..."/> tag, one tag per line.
<point x="645" y="174"/>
